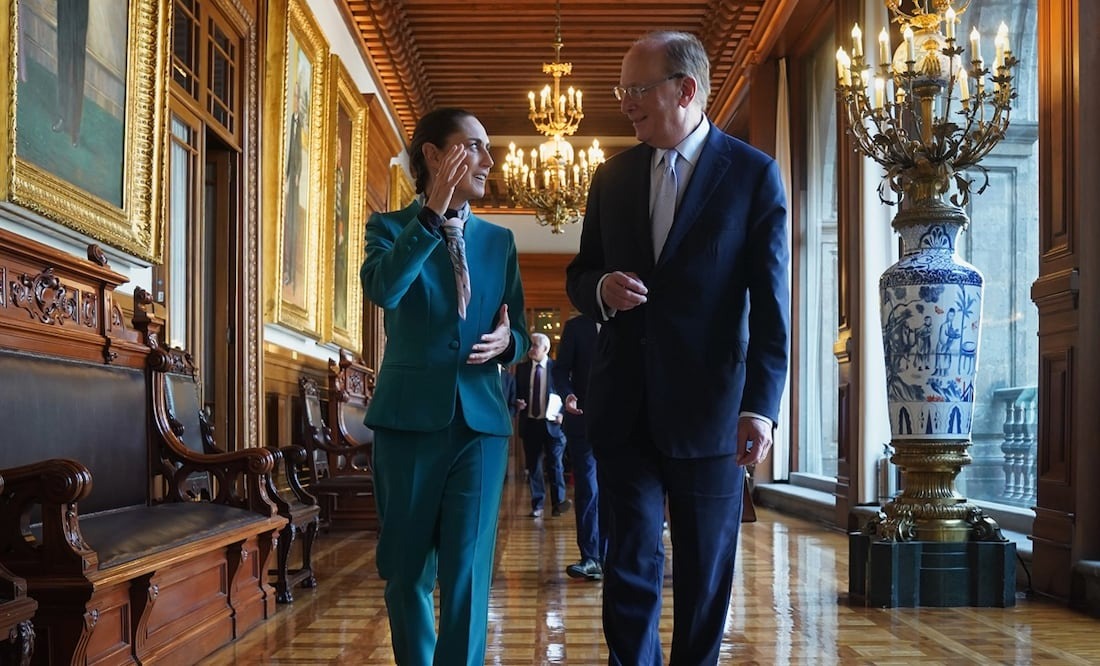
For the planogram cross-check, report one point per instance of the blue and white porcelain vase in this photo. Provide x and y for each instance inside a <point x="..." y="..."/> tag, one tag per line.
<point x="931" y="315"/>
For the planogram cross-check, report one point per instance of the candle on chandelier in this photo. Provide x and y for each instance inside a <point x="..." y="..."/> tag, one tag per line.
<point x="975" y="48"/>
<point x="964" y="86"/>
<point x="1001" y="44"/>
<point x="843" y="67"/>
<point x="857" y="41"/>
<point x="578" y="100"/>
<point x="544" y="98"/>
<point x="880" y="92"/>
<point x="910" y="44"/>
<point x="531" y="98"/>
<point x="949" y="19"/>
<point x="572" y="98"/>
<point x="884" y="47"/>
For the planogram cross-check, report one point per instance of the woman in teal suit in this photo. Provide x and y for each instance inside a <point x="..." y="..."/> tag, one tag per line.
<point x="453" y="314"/>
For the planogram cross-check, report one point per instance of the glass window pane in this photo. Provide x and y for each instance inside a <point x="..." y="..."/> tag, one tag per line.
<point x="181" y="183"/>
<point x="1002" y="242"/>
<point x="817" y="279"/>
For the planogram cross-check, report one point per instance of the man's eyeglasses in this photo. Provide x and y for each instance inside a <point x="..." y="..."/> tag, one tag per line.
<point x="636" y="92"/>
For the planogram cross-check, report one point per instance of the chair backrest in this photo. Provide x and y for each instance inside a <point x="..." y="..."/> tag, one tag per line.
<point x="316" y="436"/>
<point x="91" y="412"/>
<point x="351" y="385"/>
<point x="181" y="412"/>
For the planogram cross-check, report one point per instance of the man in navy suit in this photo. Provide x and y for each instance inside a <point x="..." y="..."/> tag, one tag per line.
<point x="540" y="426"/>
<point x="681" y="233"/>
<point x="571" y="368"/>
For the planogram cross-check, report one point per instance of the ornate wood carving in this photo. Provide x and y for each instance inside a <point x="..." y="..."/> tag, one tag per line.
<point x="44" y="297"/>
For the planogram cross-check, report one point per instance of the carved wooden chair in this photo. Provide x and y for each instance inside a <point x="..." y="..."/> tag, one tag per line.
<point x="302" y="512"/>
<point x="340" y="472"/>
<point x="282" y="485"/>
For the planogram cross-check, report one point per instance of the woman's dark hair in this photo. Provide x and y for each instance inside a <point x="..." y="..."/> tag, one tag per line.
<point x="434" y="128"/>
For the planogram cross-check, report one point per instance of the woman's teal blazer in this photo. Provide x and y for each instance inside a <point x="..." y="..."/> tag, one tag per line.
<point x="408" y="273"/>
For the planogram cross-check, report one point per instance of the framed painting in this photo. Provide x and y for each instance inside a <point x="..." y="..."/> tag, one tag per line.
<point x="346" y="206"/>
<point x="402" y="189"/>
<point x="297" y="102"/>
<point x="83" y="107"/>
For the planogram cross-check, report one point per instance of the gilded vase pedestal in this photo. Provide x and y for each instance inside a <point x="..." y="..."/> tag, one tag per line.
<point x="929" y="546"/>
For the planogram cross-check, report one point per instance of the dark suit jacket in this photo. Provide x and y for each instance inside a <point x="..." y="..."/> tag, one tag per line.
<point x="523" y="392"/>
<point x="686" y="355"/>
<point x="508" y="386"/>
<point x="571" y="367"/>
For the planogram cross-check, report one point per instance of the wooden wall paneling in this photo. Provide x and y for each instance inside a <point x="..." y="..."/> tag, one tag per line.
<point x="282" y="368"/>
<point x="1086" y="99"/>
<point x="848" y="346"/>
<point x="543" y="276"/>
<point x="1065" y="294"/>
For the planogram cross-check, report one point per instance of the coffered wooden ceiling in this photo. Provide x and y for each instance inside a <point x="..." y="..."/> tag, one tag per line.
<point x="484" y="55"/>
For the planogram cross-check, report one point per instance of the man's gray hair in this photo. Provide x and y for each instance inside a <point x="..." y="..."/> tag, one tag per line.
<point x="684" y="53"/>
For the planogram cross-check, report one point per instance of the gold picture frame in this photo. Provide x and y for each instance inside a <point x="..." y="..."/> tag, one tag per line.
<point x="345" y="208"/>
<point x="402" y="189"/>
<point x="93" y="161"/>
<point x="295" y="102"/>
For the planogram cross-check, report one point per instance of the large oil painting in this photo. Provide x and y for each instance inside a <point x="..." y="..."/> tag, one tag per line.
<point x="84" y="103"/>
<point x="347" y="192"/>
<point x="295" y="274"/>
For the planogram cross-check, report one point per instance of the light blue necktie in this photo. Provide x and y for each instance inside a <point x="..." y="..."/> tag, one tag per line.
<point x="664" y="201"/>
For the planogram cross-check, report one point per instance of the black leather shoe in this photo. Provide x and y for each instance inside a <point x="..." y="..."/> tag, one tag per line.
<point x="587" y="568"/>
<point x="562" y="508"/>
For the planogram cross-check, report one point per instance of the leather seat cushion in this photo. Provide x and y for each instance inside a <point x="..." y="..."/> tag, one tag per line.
<point x="135" y="532"/>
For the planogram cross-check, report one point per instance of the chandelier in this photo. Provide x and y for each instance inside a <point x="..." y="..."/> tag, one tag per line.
<point x="550" y="179"/>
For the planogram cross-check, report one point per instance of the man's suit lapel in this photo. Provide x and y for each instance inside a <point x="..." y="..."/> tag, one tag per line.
<point x="712" y="166"/>
<point x="638" y="206"/>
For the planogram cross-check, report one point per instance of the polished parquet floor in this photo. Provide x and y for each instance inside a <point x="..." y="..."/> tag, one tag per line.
<point x="788" y="607"/>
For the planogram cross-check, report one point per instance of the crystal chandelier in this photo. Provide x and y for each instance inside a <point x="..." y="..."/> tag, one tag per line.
<point x="550" y="179"/>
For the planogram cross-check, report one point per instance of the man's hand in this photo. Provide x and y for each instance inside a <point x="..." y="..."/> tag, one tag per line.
<point x="622" y="291"/>
<point x="493" y="342"/>
<point x="756" y="432"/>
<point x="571" y="405"/>
<point x="521" y="404"/>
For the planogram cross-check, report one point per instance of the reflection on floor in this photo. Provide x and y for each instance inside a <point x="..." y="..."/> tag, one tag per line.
<point x="788" y="607"/>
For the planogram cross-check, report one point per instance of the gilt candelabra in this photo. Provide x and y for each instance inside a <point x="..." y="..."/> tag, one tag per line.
<point x="928" y="114"/>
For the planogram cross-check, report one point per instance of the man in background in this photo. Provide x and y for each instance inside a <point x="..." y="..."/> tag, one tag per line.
<point x="540" y="427"/>
<point x="575" y="352"/>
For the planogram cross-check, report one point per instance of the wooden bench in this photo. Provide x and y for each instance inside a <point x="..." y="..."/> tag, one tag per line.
<point x="95" y="513"/>
<point x="16" y="619"/>
<point x="340" y="451"/>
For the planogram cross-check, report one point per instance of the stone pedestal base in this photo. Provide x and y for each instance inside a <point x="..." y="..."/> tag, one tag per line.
<point x="889" y="574"/>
